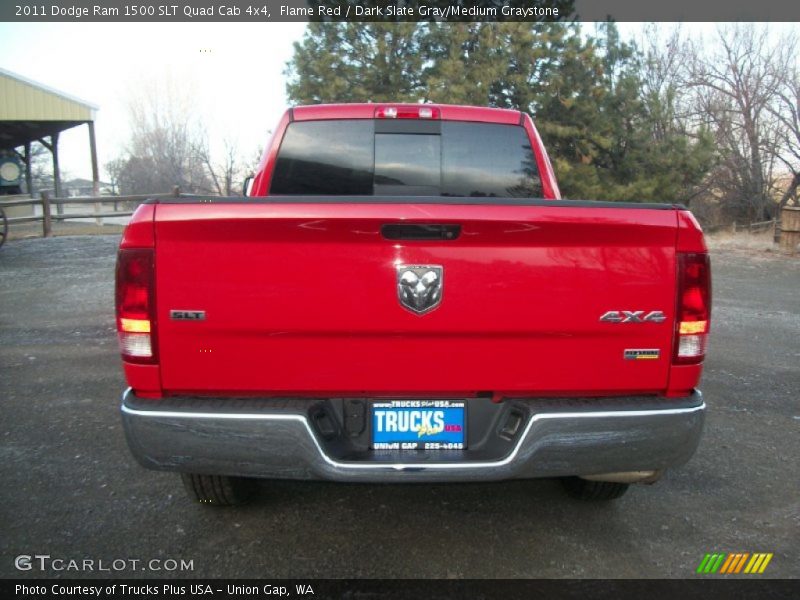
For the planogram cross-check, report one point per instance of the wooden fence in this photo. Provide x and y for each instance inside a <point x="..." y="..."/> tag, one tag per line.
<point x="756" y="227"/>
<point x="790" y="234"/>
<point x="98" y="211"/>
<point x="772" y="224"/>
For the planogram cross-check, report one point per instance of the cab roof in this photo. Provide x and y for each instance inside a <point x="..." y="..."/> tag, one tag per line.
<point x="447" y="112"/>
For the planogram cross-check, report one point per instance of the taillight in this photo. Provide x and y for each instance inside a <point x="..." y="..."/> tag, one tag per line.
<point x="136" y="307"/>
<point x="694" y="308"/>
<point x="406" y="112"/>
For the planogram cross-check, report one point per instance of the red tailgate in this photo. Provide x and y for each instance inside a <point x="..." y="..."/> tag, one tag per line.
<point x="303" y="298"/>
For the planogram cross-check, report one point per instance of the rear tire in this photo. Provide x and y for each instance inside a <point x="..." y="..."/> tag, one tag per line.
<point x="218" y="490"/>
<point x="583" y="489"/>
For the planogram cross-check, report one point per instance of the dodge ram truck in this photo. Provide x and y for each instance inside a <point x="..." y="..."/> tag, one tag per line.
<point x="403" y="296"/>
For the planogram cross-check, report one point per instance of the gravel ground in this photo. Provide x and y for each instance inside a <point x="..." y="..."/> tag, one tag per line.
<point x="71" y="489"/>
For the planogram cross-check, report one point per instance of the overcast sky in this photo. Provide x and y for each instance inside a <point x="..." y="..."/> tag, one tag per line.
<point x="235" y="70"/>
<point x="237" y="77"/>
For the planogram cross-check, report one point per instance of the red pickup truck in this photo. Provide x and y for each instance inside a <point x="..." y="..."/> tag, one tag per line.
<point x="403" y="296"/>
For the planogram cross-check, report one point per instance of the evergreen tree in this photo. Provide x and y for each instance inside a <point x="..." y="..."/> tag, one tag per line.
<point x="357" y="62"/>
<point x="606" y="138"/>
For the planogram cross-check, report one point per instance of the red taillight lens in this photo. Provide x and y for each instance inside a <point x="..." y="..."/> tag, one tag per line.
<point x="694" y="308"/>
<point x="405" y="112"/>
<point x="136" y="309"/>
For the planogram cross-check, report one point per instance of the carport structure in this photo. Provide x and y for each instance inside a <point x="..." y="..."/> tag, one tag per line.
<point x="32" y="112"/>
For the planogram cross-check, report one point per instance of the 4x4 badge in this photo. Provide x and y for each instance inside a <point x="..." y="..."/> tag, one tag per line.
<point x="633" y="316"/>
<point x="419" y="287"/>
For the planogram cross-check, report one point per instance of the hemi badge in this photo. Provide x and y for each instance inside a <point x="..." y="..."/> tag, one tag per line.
<point x="187" y="315"/>
<point x="638" y="354"/>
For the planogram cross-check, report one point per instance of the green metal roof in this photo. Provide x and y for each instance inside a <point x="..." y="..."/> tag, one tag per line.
<point x="31" y="111"/>
<point x="24" y="100"/>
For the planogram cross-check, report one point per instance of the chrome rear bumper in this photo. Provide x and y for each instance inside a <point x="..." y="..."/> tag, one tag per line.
<point x="280" y="439"/>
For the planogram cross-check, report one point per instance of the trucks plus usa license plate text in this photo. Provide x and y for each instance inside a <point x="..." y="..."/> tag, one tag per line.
<point x="419" y="425"/>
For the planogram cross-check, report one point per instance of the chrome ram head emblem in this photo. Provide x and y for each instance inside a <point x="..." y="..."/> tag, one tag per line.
<point x="419" y="287"/>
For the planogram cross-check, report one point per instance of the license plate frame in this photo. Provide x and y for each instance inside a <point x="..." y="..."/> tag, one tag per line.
<point x="443" y="424"/>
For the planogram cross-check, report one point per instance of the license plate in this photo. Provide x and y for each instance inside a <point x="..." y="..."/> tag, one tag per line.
<point x="419" y="425"/>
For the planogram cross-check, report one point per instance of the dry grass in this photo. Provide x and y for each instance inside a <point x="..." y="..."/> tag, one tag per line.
<point x="748" y="242"/>
<point x="20" y="231"/>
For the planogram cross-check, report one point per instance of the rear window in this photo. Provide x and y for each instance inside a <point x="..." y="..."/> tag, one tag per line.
<point x="406" y="158"/>
<point x="407" y="164"/>
<point x="326" y="158"/>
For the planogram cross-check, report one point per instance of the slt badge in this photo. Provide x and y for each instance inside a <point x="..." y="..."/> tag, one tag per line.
<point x="419" y="287"/>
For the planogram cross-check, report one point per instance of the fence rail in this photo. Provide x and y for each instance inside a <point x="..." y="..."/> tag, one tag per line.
<point x="758" y="226"/>
<point x="46" y="203"/>
<point x="47" y="217"/>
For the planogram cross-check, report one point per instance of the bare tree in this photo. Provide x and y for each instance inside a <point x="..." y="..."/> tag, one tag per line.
<point x="227" y="171"/>
<point x="166" y="141"/>
<point x="668" y="99"/>
<point x="735" y="87"/>
<point x="662" y="75"/>
<point x="41" y="167"/>
<point x="786" y="111"/>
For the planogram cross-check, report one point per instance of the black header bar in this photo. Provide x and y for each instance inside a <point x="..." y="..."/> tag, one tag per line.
<point x="396" y="589"/>
<point x="270" y="11"/>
